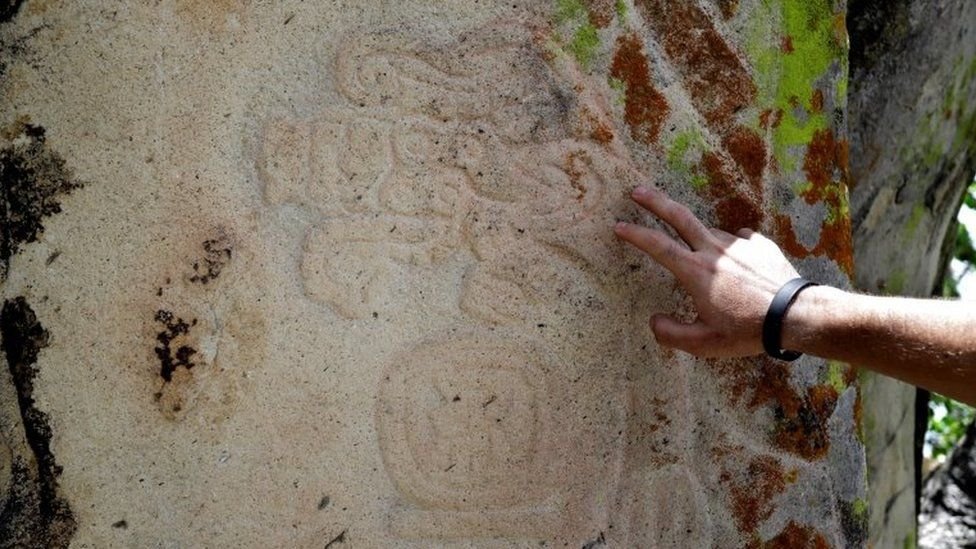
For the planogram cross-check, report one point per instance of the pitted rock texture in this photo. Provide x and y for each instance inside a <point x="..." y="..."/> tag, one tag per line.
<point x="344" y="275"/>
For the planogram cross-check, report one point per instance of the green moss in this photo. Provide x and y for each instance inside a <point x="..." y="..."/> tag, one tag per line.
<point x="570" y="11"/>
<point x="918" y="213"/>
<point x="787" y="78"/>
<point x="810" y="28"/>
<point x="680" y="146"/>
<point x="621" y="7"/>
<point x="620" y="89"/>
<point x="835" y="375"/>
<point x="870" y="426"/>
<point x="932" y="152"/>
<point x="685" y="149"/>
<point x="896" y="283"/>
<point x="584" y="44"/>
<point x="760" y="40"/>
<point x="909" y="542"/>
<point x="584" y="38"/>
<point x="860" y="508"/>
<point x="931" y="142"/>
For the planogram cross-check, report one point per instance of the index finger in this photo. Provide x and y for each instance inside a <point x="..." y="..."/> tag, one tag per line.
<point x="685" y="223"/>
<point x="661" y="247"/>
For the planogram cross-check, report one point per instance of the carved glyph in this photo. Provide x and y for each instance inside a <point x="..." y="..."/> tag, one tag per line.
<point x="415" y="165"/>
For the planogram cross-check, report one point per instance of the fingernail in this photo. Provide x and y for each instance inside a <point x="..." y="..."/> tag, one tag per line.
<point x="641" y="191"/>
<point x="621" y="225"/>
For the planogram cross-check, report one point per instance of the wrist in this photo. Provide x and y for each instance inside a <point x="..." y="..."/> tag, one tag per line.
<point x="808" y="319"/>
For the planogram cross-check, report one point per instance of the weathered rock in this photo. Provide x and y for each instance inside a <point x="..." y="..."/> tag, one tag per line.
<point x="913" y="142"/>
<point x="343" y="275"/>
<point x="947" y="517"/>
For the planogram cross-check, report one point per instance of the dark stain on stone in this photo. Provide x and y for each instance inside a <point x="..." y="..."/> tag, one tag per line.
<point x="323" y="503"/>
<point x="172" y="356"/>
<point x="9" y="9"/>
<point x="121" y="525"/>
<point x="599" y="541"/>
<point x="341" y="538"/>
<point x="217" y="254"/>
<point x="877" y="28"/>
<point x="17" y="46"/>
<point x="34" y="515"/>
<point x="854" y="523"/>
<point x="31" y="179"/>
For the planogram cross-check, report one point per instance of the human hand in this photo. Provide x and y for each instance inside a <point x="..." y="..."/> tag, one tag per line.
<point x="731" y="278"/>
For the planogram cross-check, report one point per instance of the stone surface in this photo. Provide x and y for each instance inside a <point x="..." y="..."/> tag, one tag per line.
<point x="913" y="130"/>
<point x="343" y="275"/>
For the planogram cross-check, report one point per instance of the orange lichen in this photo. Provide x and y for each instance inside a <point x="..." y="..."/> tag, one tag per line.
<point x="600" y="12"/>
<point x="824" y="161"/>
<point x="805" y="433"/>
<point x="794" y="536"/>
<point x="572" y="166"/>
<point x="728" y="8"/>
<point x="770" y="118"/>
<point x="751" y="491"/>
<point x="835" y="241"/>
<point x="749" y="152"/>
<point x="817" y="101"/>
<point x="736" y="212"/>
<point x="786" y="46"/>
<point x="645" y="108"/>
<point x="826" y="168"/>
<point x="713" y="74"/>
<point x="801" y="418"/>
<point x="599" y="130"/>
<point x="791" y="476"/>
<point x="602" y="134"/>
<point x="733" y="208"/>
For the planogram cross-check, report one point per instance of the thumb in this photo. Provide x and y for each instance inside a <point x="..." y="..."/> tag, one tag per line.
<point x="692" y="338"/>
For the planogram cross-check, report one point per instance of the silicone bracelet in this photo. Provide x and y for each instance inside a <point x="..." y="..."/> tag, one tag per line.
<point x="772" y="332"/>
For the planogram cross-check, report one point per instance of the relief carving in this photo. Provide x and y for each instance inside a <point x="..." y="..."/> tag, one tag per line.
<point x="418" y="164"/>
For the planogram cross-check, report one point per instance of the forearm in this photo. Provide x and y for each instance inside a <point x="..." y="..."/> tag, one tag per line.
<point x="929" y="343"/>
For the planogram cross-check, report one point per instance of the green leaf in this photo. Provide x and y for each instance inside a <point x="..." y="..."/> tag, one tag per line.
<point x="964" y="250"/>
<point x="944" y="433"/>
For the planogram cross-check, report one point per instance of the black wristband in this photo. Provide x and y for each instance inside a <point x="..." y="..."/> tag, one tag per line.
<point x="772" y="332"/>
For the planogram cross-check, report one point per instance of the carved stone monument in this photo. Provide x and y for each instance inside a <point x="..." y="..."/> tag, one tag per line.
<point x="343" y="274"/>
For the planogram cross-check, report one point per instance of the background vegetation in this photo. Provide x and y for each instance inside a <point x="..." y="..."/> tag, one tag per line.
<point x="948" y="418"/>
